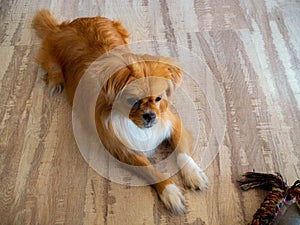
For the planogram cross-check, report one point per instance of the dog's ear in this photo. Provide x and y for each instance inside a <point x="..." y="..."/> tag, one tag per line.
<point x="174" y="73"/>
<point x="116" y="83"/>
<point x="173" y="69"/>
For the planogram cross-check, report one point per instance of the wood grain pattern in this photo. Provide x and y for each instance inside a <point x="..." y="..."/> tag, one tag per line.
<point x="253" y="50"/>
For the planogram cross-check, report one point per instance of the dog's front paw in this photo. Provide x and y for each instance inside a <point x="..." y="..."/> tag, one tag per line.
<point x="173" y="199"/>
<point x="193" y="176"/>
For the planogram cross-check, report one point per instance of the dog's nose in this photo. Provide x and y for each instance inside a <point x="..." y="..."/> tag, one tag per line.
<point x="149" y="117"/>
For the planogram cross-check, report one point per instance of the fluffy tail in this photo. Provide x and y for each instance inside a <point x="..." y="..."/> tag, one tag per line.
<point x="44" y="23"/>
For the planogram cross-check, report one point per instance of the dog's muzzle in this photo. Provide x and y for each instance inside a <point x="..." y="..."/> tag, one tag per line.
<point x="149" y="119"/>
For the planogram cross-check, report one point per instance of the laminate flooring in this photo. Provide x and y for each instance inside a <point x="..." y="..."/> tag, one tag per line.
<point x="252" y="49"/>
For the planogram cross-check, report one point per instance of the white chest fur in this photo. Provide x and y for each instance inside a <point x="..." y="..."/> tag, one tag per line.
<point x="142" y="140"/>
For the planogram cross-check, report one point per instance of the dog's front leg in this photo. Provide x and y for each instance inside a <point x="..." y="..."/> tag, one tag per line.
<point x="182" y="141"/>
<point x="168" y="192"/>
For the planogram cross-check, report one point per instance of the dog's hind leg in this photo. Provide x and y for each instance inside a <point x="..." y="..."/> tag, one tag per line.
<point x="54" y="75"/>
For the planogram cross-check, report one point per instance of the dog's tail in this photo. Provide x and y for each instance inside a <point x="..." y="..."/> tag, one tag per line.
<point x="44" y="23"/>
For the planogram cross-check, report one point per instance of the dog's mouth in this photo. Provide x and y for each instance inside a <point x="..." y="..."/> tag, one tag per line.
<point x="142" y="124"/>
<point x="148" y="125"/>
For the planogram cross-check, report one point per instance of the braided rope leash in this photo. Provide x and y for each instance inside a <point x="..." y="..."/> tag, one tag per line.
<point x="280" y="194"/>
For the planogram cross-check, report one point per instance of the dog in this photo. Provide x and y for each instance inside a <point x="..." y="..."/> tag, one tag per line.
<point x="146" y="87"/>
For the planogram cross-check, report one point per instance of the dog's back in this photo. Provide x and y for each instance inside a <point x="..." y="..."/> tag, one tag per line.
<point x="68" y="48"/>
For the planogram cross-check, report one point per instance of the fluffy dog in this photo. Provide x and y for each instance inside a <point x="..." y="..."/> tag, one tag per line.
<point x="142" y="110"/>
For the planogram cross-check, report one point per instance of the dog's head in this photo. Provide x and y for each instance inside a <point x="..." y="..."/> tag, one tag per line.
<point x="142" y="89"/>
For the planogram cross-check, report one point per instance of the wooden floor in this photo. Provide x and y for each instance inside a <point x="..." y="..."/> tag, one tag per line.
<point x="253" y="50"/>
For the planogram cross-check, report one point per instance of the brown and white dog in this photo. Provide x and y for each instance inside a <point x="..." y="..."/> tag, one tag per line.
<point x="70" y="47"/>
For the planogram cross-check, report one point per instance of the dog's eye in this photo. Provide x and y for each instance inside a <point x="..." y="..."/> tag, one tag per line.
<point x="132" y="101"/>
<point x="158" y="99"/>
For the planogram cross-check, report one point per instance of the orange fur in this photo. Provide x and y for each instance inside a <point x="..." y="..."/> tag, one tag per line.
<point x="70" y="47"/>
